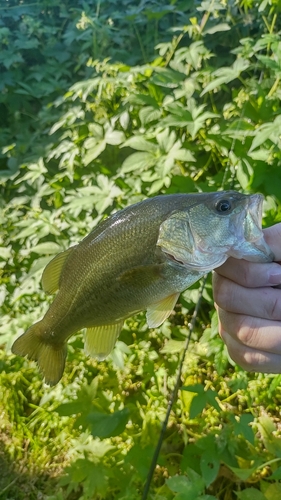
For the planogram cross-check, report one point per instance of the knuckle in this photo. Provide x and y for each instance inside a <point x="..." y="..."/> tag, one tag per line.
<point x="246" y="277"/>
<point x="275" y="308"/>
<point x="271" y="304"/>
<point x="248" y="359"/>
<point x="251" y="360"/>
<point x="247" y="331"/>
<point x="238" y="355"/>
<point x="222" y="291"/>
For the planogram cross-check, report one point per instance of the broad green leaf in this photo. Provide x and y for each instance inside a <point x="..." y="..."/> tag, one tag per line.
<point x="276" y="474"/>
<point x="243" y="474"/>
<point x="261" y="154"/>
<point x="226" y="75"/>
<point x="187" y="487"/>
<point x="243" y="428"/>
<point x="203" y="397"/>
<point x="5" y="253"/>
<point x="114" y="137"/>
<point x="93" y="152"/>
<point x="267" y="131"/>
<point x="173" y="346"/>
<point x="166" y="77"/>
<point x="48" y="247"/>
<point x="272" y="491"/>
<point x="104" y="425"/>
<point x="216" y="28"/>
<point x="210" y="466"/>
<point x="149" y="114"/>
<point x="251" y="494"/>
<point x="138" y="161"/>
<point x="244" y="172"/>
<point x="139" y="143"/>
<point x="72" y="408"/>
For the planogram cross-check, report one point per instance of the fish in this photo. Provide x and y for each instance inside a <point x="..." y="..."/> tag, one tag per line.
<point x="140" y="258"/>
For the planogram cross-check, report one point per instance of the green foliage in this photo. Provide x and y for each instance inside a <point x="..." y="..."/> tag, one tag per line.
<point x="93" y="118"/>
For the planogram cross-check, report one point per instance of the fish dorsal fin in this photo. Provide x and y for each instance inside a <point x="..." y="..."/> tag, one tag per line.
<point x="51" y="274"/>
<point x="158" y="312"/>
<point x="100" y="340"/>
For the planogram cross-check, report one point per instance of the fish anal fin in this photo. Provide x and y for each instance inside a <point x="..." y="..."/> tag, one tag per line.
<point x="159" y="311"/>
<point x="100" y="340"/>
<point x="51" y="274"/>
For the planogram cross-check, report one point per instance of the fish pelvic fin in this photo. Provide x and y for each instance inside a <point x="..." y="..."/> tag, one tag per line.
<point x="51" y="274"/>
<point x="49" y="357"/>
<point x="159" y="311"/>
<point x="100" y="340"/>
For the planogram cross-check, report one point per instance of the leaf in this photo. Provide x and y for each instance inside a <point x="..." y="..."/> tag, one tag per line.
<point x="140" y="143"/>
<point x="203" y="397"/>
<point x="49" y="247"/>
<point x="216" y="28"/>
<point x="187" y="487"/>
<point x="243" y="428"/>
<point x="114" y="137"/>
<point x="244" y="171"/>
<point x="72" y="408"/>
<point x="251" y="494"/>
<point x="173" y="346"/>
<point x="226" y="75"/>
<point x="149" y="114"/>
<point x="272" y="491"/>
<point x="167" y="77"/>
<point x="276" y="474"/>
<point x="243" y="474"/>
<point x="83" y="402"/>
<point x="93" y="152"/>
<point x="267" y="131"/>
<point x="139" y="457"/>
<point x="137" y="161"/>
<point x="104" y="425"/>
<point x="210" y="466"/>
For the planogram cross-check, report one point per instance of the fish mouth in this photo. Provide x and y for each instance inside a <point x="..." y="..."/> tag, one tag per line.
<point x="253" y="235"/>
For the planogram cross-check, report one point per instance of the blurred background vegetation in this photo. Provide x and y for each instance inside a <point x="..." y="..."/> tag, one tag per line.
<point x="102" y="104"/>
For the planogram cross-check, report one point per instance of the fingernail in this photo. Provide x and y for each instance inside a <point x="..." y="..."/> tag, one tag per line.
<point x="275" y="277"/>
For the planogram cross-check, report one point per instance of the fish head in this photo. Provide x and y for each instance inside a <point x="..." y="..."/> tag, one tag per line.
<point x="217" y="226"/>
<point x="232" y="223"/>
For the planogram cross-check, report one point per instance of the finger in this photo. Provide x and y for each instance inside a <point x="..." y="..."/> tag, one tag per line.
<point x="255" y="333"/>
<point x="272" y="237"/>
<point x="250" y="359"/>
<point x="259" y="302"/>
<point x="254" y="274"/>
<point x="251" y="274"/>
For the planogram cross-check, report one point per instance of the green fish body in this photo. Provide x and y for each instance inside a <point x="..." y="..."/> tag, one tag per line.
<point x="140" y="258"/>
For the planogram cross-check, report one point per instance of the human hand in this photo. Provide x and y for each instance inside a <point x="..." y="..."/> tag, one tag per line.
<point x="249" y="309"/>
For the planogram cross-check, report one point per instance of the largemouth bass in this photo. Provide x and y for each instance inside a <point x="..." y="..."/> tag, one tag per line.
<point x="140" y="258"/>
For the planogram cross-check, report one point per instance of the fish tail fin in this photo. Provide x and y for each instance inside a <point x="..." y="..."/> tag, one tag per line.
<point x="50" y="358"/>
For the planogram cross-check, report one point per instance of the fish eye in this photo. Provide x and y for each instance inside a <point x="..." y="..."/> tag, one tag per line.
<point x="223" y="206"/>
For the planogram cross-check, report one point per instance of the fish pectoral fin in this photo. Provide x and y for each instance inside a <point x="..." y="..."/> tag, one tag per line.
<point x="100" y="340"/>
<point x="51" y="274"/>
<point x="158" y="312"/>
<point x="141" y="276"/>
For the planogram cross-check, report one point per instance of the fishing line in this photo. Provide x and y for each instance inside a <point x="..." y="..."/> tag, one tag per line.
<point x="173" y="395"/>
<point x="233" y="175"/>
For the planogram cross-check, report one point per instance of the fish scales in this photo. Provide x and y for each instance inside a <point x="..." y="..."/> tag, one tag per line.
<point x="140" y="258"/>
